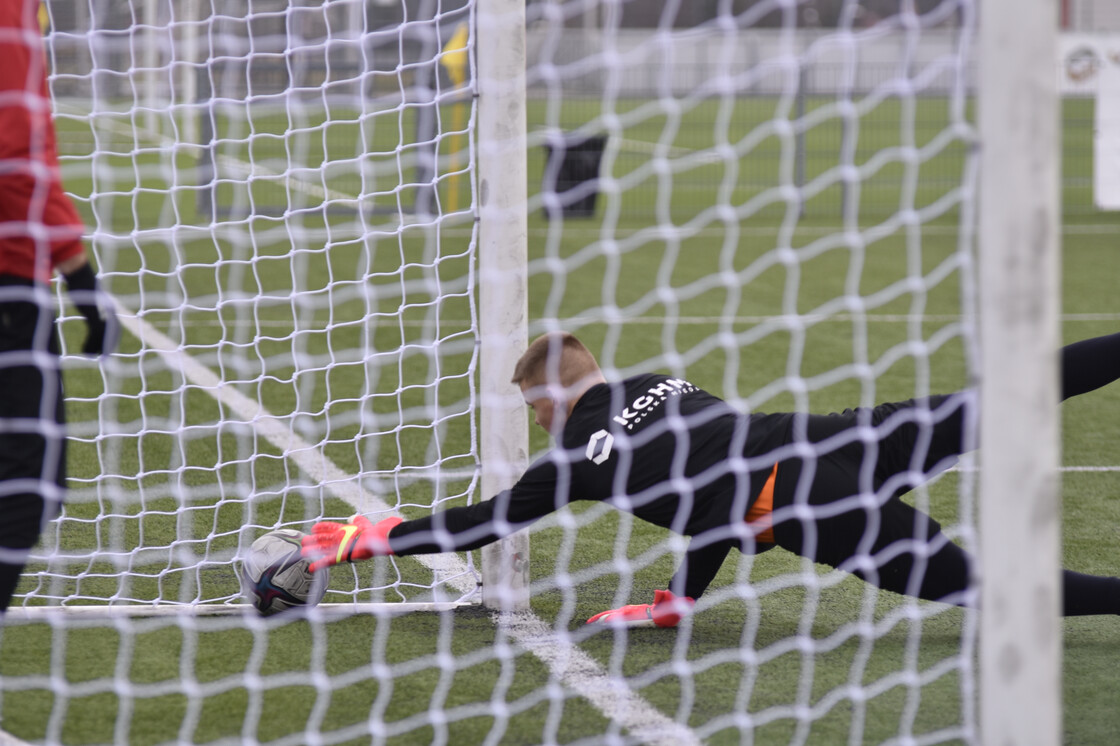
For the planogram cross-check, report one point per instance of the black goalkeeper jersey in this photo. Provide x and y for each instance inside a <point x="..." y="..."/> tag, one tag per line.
<point x="655" y="446"/>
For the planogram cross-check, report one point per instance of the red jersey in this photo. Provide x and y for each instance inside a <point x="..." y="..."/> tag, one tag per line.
<point x="39" y="226"/>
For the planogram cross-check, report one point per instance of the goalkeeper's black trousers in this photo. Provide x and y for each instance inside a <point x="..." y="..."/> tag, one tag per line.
<point x="857" y="521"/>
<point x="32" y="441"/>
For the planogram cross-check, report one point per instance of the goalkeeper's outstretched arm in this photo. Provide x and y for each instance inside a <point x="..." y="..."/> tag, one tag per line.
<point x="458" y="529"/>
<point x="695" y="574"/>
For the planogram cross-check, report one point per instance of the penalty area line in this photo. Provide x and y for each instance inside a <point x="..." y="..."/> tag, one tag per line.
<point x="577" y="670"/>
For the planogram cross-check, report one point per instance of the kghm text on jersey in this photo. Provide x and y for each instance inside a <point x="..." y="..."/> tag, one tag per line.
<point x="645" y="404"/>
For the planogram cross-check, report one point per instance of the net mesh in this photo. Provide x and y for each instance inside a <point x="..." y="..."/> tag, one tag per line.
<point x="271" y="200"/>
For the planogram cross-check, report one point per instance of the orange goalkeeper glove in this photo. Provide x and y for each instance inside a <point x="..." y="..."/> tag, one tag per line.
<point x="330" y="543"/>
<point x="665" y="611"/>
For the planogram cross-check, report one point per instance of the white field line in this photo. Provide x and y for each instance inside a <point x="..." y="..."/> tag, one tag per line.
<point x="567" y="662"/>
<point x="448" y="227"/>
<point x="7" y="739"/>
<point x="748" y="229"/>
<point x="1063" y="469"/>
<point x="592" y="232"/>
<point x="874" y="318"/>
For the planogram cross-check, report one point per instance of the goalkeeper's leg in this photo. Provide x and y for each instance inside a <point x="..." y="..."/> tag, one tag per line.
<point x="1085" y="366"/>
<point x="869" y="533"/>
<point x="936" y="569"/>
<point x="1090" y="364"/>
<point x="925" y="435"/>
<point x="899" y="548"/>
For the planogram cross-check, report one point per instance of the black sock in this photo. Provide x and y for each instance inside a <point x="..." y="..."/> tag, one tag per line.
<point x="1090" y="364"/>
<point x="1083" y="595"/>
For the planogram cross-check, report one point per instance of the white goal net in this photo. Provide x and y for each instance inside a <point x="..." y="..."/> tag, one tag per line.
<point x="289" y="201"/>
<point x="279" y="198"/>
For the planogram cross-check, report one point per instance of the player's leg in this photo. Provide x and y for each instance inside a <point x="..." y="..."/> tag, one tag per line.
<point x="936" y="569"/>
<point x="867" y="532"/>
<point x="864" y="460"/>
<point x="897" y="444"/>
<point x="924" y="435"/>
<point x="867" y="458"/>
<point x="19" y="530"/>
<point x="894" y="546"/>
<point x="32" y="476"/>
<point x="945" y="574"/>
<point x="1090" y="364"/>
<point x="32" y="445"/>
<point x="921" y="437"/>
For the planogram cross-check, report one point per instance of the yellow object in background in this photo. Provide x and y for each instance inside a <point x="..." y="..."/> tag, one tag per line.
<point x="455" y="60"/>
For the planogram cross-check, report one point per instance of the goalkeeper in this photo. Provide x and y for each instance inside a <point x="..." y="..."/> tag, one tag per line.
<point x="826" y="487"/>
<point x="40" y="232"/>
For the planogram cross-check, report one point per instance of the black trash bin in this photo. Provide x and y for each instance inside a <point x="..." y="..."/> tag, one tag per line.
<point x="571" y="163"/>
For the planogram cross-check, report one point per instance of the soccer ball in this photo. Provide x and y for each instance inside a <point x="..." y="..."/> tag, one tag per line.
<point x="275" y="578"/>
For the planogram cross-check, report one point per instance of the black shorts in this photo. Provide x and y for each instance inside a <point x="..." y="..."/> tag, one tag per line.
<point x="843" y="507"/>
<point x="32" y="439"/>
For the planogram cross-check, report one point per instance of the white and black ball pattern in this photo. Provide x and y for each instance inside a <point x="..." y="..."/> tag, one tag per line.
<point x="275" y="578"/>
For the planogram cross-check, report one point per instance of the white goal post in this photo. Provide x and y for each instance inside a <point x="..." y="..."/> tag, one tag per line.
<point x="503" y="235"/>
<point x="1019" y="221"/>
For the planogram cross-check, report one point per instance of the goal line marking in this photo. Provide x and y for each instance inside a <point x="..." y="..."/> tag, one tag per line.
<point x="567" y="662"/>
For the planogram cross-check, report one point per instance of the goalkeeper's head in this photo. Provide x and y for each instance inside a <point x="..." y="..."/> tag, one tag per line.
<point x="553" y="374"/>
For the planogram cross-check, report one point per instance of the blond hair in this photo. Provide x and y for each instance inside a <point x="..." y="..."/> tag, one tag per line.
<point x="557" y="357"/>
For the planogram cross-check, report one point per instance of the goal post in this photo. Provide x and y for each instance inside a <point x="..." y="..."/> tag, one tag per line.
<point x="1019" y="223"/>
<point x="503" y="281"/>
